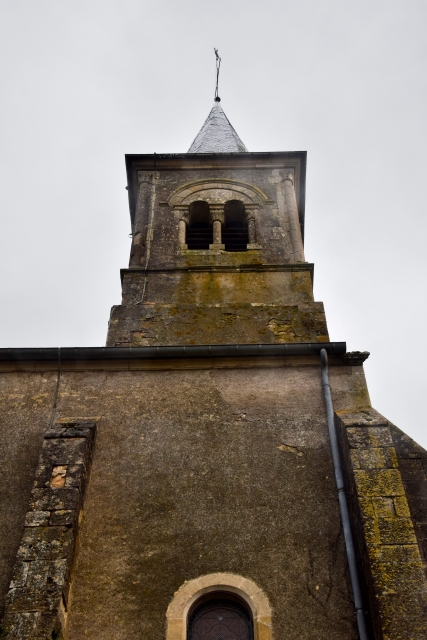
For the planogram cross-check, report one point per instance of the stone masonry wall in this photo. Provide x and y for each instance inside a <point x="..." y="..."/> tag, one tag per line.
<point x="37" y="600"/>
<point x="164" y="324"/>
<point x="213" y="305"/>
<point x="204" y="470"/>
<point x="26" y="401"/>
<point x="217" y="307"/>
<point x="272" y="221"/>
<point x="393" y="566"/>
<point x="413" y="468"/>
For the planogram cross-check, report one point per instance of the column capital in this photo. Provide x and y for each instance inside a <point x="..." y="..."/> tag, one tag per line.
<point x="144" y="177"/>
<point x="216" y="212"/>
<point x="251" y="210"/>
<point x="289" y="175"/>
<point x="183" y="212"/>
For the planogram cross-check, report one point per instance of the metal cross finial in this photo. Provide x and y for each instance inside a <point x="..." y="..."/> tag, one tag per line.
<point x="218" y="64"/>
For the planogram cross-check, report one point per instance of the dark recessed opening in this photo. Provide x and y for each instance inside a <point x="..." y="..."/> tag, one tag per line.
<point x="220" y="616"/>
<point x="235" y="229"/>
<point x="199" y="231"/>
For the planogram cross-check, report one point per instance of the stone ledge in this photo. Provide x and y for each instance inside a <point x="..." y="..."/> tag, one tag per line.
<point x="291" y="266"/>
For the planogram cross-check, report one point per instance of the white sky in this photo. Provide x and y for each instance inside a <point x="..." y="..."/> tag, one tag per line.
<point x="85" y="82"/>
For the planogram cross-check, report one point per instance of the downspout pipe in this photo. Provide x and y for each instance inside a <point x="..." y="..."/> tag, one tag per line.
<point x="342" y="498"/>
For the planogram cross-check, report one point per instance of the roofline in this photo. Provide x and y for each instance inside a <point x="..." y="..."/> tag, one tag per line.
<point x="171" y="161"/>
<point x="61" y="354"/>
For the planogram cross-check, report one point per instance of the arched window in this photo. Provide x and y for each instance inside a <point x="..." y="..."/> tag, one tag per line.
<point x="220" y="616"/>
<point x="199" y="230"/>
<point x="235" y="229"/>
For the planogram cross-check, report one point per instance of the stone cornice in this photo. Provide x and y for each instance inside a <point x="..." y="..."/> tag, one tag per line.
<point x="176" y="357"/>
<point x="296" y="266"/>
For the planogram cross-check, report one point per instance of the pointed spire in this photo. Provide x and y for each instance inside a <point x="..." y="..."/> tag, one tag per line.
<point x="217" y="135"/>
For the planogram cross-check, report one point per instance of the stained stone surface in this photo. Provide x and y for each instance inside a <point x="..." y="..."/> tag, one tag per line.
<point x="25" y="409"/>
<point x="189" y="477"/>
<point x="38" y="592"/>
<point x="217" y="135"/>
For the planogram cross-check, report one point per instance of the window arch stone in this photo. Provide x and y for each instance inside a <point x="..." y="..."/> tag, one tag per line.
<point x="218" y="192"/>
<point x="191" y="591"/>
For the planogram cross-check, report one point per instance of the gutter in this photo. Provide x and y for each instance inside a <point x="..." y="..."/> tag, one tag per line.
<point x="342" y="499"/>
<point x="192" y="351"/>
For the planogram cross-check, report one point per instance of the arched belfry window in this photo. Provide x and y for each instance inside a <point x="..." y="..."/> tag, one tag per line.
<point x="235" y="229"/>
<point x="220" y="616"/>
<point x="199" y="230"/>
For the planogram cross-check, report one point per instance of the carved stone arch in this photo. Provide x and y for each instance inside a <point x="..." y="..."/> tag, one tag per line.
<point x="217" y="196"/>
<point x="218" y="192"/>
<point x="191" y="591"/>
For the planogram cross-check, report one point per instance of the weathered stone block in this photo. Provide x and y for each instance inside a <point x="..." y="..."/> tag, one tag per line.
<point x="42" y="476"/>
<point x="45" y="543"/>
<point x="379" y="483"/>
<point x="64" y="451"/>
<point x="76" y="475"/>
<point x="48" y="622"/>
<point x="396" y="531"/>
<point x="64" y="517"/>
<point x="384" y="507"/>
<point x="366" y="437"/>
<point x="35" y="599"/>
<point x="394" y="553"/>
<point x="372" y="458"/>
<point x="401" y="507"/>
<point x="50" y="499"/>
<point x="76" y="432"/>
<point x="55" y="432"/>
<point x="46" y="572"/>
<point x="20" y="574"/>
<point x="37" y="518"/>
<point x="21" y="625"/>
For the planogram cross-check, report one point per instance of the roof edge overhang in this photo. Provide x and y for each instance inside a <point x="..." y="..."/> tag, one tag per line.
<point x="61" y="354"/>
<point x="212" y="161"/>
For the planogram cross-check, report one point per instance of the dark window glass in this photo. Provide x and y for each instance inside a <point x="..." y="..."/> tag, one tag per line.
<point x="199" y="231"/>
<point x="220" y="616"/>
<point x="235" y="229"/>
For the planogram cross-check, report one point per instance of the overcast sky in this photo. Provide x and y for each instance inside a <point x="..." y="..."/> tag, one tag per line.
<point x="86" y="81"/>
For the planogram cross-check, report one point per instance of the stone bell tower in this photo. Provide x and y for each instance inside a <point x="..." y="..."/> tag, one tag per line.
<point x="217" y="254"/>
<point x="185" y="482"/>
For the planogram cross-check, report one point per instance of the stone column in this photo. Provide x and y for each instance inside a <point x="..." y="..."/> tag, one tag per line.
<point x="251" y="211"/>
<point x="216" y="218"/>
<point x="294" y="225"/>
<point x="143" y="203"/>
<point x="183" y="214"/>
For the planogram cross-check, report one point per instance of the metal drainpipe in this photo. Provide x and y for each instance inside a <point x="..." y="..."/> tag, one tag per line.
<point x="342" y="498"/>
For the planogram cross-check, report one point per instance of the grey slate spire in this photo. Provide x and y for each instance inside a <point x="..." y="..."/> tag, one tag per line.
<point x="217" y="135"/>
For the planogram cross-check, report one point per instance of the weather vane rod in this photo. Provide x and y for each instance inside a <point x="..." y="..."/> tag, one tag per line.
<point x="218" y="64"/>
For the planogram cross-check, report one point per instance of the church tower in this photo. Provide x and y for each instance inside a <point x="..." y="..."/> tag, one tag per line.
<point x="217" y="254"/>
<point x="217" y="471"/>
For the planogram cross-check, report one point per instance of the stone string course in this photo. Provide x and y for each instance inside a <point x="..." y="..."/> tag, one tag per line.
<point x="37" y="600"/>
